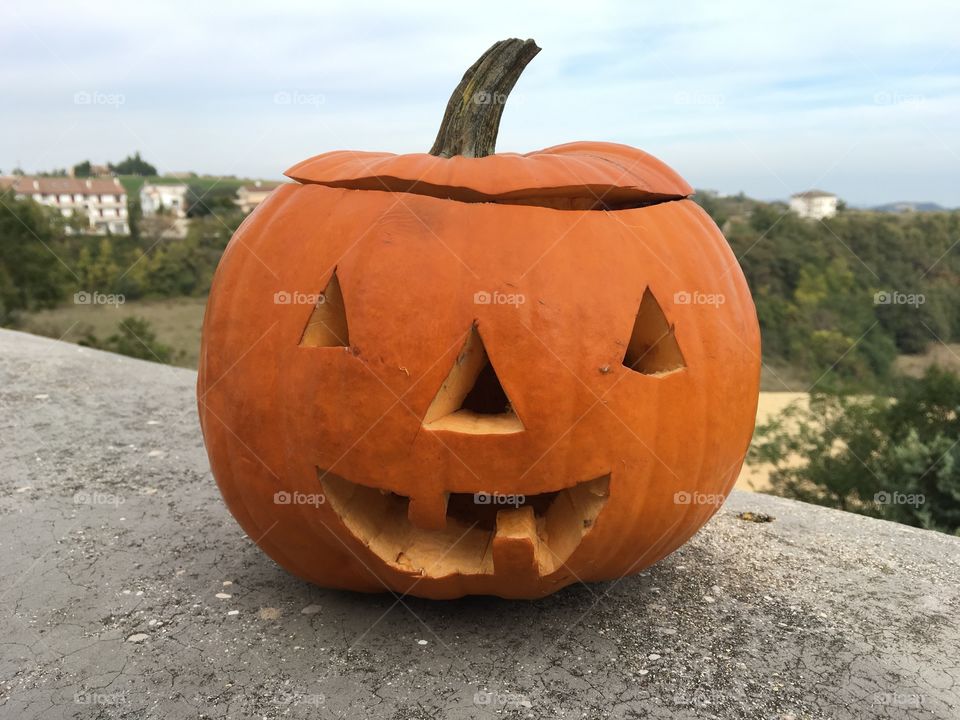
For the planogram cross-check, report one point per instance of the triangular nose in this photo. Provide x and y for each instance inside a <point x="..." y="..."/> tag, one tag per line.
<point x="472" y="399"/>
<point x="327" y="326"/>
<point x="652" y="348"/>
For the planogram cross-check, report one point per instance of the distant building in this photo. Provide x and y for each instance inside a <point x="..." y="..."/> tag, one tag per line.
<point x="815" y="204"/>
<point x="249" y="196"/>
<point x="171" y="199"/>
<point x="102" y="200"/>
<point x="6" y="182"/>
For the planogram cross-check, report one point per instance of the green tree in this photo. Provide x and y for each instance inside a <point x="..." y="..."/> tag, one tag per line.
<point x="98" y="270"/>
<point x="135" y="337"/>
<point x="896" y="458"/>
<point x="32" y="272"/>
<point x="134" y="165"/>
<point x="82" y="169"/>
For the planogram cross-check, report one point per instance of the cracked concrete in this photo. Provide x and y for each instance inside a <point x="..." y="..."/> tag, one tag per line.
<point x="129" y="592"/>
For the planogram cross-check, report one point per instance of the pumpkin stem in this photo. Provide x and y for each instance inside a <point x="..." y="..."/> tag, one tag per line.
<point x="472" y="119"/>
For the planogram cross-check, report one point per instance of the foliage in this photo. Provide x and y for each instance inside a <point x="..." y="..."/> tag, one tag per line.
<point x="840" y="298"/>
<point x="896" y="458"/>
<point x="82" y="169"/>
<point x="815" y="284"/>
<point x="135" y="337"/>
<point x="133" y="165"/>
<point x="211" y="199"/>
<point x="31" y="275"/>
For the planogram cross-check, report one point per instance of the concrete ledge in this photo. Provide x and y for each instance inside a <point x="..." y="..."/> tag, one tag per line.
<point x="129" y="591"/>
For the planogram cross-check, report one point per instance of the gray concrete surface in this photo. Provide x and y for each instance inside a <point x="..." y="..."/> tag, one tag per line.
<point x="129" y="592"/>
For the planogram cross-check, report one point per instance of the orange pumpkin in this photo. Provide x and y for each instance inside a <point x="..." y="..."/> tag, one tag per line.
<point x="467" y="373"/>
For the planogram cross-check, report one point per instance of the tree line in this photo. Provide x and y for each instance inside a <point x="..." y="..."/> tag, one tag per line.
<point x="839" y="299"/>
<point x="42" y="266"/>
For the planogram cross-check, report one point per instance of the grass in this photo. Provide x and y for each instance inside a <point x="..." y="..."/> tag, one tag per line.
<point x="945" y="355"/>
<point x="176" y="321"/>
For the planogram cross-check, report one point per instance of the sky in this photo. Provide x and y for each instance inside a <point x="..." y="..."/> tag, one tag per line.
<point x="858" y="98"/>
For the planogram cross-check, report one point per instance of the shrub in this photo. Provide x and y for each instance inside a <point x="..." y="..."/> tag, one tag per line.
<point x="896" y="458"/>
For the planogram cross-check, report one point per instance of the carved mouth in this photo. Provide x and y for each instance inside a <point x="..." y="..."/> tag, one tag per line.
<point x="468" y="533"/>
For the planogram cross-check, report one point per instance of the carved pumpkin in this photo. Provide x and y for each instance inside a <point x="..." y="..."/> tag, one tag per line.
<point x="467" y="373"/>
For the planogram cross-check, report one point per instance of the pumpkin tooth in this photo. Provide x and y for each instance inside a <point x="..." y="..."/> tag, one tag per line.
<point x="428" y="511"/>
<point x="516" y="544"/>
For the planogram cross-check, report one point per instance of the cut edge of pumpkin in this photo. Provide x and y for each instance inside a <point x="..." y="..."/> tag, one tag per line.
<point x="571" y="197"/>
<point x="529" y="537"/>
<point x="472" y="400"/>
<point x="652" y="348"/>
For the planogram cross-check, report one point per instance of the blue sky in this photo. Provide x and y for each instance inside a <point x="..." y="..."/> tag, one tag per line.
<point x="856" y="98"/>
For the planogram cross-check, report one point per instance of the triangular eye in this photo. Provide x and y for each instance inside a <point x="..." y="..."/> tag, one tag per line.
<point x="653" y="348"/>
<point x="327" y="326"/>
<point x="472" y="399"/>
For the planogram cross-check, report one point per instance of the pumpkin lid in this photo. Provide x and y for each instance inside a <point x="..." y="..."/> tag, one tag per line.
<point x="462" y="165"/>
<point x="608" y="174"/>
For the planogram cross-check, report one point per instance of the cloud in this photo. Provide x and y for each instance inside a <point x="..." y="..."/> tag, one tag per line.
<point x="755" y="96"/>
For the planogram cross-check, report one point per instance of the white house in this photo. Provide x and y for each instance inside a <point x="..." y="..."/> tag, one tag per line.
<point x="249" y="196"/>
<point x="102" y="200"/>
<point x="815" y="204"/>
<point x="171" y="199"/>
